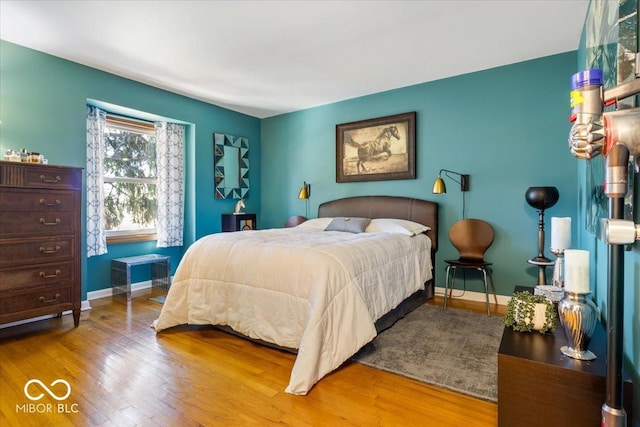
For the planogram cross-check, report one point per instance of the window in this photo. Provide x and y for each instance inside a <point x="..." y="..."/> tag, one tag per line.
<point x="130" y="179"/>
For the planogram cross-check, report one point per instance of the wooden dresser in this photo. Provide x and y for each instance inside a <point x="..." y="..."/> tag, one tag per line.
<point x="40" y="223"/>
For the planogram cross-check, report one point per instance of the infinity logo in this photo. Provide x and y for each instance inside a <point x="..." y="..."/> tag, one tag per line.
<point x="47" y="389"/>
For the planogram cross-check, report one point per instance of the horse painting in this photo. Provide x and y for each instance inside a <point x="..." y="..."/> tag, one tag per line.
<point x="376" y="149"/>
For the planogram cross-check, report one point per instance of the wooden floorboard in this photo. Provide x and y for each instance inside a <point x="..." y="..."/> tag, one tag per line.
<point x="122" y="374"/>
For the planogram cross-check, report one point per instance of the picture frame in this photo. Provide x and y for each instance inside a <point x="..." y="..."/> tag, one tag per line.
<point x="377" y="149"/>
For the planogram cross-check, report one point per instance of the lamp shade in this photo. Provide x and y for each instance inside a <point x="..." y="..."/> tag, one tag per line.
<point x="438" y="186"/>
<point x="304" y="192"/>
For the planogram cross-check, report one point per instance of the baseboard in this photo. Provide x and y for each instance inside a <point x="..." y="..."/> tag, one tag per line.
<point x="474" y="296"/>
<point x="107" y="292"/>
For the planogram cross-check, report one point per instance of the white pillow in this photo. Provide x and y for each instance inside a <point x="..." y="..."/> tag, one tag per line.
<point x="316" y="223"/>
<point x="398" y="226"/>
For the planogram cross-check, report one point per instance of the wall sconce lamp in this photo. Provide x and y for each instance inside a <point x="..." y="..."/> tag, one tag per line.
<point x="439" y="187"/>
<point x="305" y="193"/>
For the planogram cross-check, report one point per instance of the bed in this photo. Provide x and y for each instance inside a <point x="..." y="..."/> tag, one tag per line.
<point x="314" y="289"/>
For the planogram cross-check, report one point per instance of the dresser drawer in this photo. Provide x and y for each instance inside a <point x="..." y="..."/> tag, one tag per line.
<point x="40" y="176"/>
<point x="36" y="251"/>
<point x="19" y="224"/>
<point x="39" y="300"/>
<point x="52" y="177"/>
<point x="36" y="275"/>
<point x="32" y="200"/>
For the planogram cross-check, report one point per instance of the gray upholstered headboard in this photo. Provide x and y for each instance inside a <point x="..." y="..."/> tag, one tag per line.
<point x="421" y="211"/>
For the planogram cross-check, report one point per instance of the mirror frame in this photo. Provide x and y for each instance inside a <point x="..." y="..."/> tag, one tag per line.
<point x="221" y="140"/>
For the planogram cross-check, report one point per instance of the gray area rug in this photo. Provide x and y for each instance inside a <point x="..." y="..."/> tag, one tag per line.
<point x="453" y="349"/>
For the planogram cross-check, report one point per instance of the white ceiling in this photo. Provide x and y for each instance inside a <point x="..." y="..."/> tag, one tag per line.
<point x="265" y="58"/>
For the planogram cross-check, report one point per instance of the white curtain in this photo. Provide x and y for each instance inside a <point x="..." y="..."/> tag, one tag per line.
<point x="170" y="222"/>
<point x="96" y="235"/>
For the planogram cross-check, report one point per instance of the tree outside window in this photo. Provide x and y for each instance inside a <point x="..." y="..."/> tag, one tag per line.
<point x="130" y="179"/>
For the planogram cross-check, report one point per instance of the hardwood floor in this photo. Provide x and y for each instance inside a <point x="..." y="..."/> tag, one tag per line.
<point x="121" y="373"/>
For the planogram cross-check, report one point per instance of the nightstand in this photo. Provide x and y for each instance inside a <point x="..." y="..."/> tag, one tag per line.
<point x="539" y="386"/>
<point x="294" y="220"/>
<point x="239" y="222"/>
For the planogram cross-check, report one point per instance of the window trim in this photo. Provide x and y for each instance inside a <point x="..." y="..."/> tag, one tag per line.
<point x="153" y="181"/>
<point x="131" y="236"/>
<point x="130" y="125"/>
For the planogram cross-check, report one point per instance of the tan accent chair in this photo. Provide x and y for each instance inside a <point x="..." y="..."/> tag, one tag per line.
<point x="472" y="238"/>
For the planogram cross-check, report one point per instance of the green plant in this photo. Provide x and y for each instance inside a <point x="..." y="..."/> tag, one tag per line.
<point x="521" y="312"/>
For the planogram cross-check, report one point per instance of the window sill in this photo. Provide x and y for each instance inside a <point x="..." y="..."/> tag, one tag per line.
<point x="131" y="238"/>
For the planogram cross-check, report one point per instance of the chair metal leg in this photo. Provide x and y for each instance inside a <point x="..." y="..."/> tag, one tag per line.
<point x="486" y="289"/>
<point x="493" y="286"/>
<point x="454" y="272"/>
<point x="446" y="284"/>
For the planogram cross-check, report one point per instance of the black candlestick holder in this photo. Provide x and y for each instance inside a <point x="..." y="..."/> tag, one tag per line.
<point x="541" y="198"/>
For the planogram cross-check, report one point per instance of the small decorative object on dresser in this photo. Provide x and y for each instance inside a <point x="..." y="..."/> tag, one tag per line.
<point x="239" y="222"/>
<point x="527" y="312"/>
<point x="40" y="222"/>
<point x="239" y="206"/>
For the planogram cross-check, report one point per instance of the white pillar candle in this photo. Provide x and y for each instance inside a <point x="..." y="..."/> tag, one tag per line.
<point x="576" y="271"/>
<point x="560" y="233"/>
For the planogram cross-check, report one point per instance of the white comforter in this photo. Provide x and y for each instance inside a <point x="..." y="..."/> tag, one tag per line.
<point x="317" y="291"/>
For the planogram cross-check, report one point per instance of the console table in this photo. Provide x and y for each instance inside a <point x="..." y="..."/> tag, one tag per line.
<point x="540" y="386"/>
<point x="121" y="272"/>
<point x="239" y="222"/>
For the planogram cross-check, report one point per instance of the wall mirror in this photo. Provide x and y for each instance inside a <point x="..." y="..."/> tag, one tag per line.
<point x="231" y="166"/>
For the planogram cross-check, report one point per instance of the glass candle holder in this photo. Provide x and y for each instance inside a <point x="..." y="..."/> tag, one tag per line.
<point x="558" y="268"/>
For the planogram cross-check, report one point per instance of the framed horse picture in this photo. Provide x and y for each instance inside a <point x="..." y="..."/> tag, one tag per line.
<point x="377" y="149"/>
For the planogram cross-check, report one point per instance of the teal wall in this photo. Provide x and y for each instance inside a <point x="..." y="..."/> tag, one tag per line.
<point x="506" y="127"/>
<point x="42" y="108"/>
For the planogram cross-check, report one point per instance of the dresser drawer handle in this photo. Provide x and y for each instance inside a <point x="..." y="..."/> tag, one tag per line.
<point x="56" y="203"/>
<point x="57" y="179"/>
<point x="49" y="276"/>
<point x="49" y="300"/>
<point x="49" y="250"/>
<point x="44" y="222"/>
